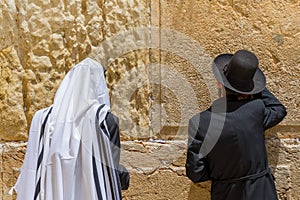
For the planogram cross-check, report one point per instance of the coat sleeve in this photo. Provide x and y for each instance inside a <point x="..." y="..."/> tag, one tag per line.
<point x="196" y="165"/>
<point x="274" y="110"/>
<point x="113" y="128"/>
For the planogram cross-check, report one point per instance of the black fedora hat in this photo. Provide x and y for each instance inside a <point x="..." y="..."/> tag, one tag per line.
<point x="239" y="72"/>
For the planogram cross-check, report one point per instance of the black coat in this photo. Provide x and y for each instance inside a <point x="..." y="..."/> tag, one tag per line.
<point x="112" y="123"/>
<point x="236" y="160"/>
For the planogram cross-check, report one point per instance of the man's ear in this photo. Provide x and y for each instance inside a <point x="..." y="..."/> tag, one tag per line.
<point x="220" y="86"/>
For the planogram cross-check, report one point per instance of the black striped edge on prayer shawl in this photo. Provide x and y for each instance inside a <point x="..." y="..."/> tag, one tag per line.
<point x="96" y="178"/>
<point x="112" y="168"/>
<point x="110" y="175"/>
<point x="40" y="158"/>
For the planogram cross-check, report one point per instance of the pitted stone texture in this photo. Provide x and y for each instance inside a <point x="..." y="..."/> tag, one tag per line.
<point x="53" y="38"/>
<point x="185" y="87"/>
<point x="127" y="79"/>
<point x="148" y="157"/>
<point x="226" y="26"/>
<point x="124" y="53"/>
<point x="11" y="159"/>
<point x="8" y="24"/>
<point x="50" y="37"/>
<point x="283" y="181"/>
<point x="121" y="15"/>
<point x="12" y="118"/>
<point x="164" y="184"/>
<point x="284" y="155"/>
<point x="291" y="148"/>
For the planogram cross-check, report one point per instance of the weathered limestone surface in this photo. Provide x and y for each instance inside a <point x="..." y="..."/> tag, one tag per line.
<point x="158" y="173"/>
<point x="12" y="116"/>
<point x="269" y="28"/>
<point x="42" y="40"/>
<point x="11" y="159"/>
<point x="158" y="55"/>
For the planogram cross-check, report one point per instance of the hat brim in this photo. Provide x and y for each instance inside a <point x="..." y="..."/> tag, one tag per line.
<point x="259" y="79"/>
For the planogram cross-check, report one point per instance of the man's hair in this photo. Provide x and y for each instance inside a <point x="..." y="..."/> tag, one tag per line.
<point x="231" y="92"/>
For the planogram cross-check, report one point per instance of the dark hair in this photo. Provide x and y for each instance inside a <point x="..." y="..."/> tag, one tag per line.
<point x="231" y="92"/>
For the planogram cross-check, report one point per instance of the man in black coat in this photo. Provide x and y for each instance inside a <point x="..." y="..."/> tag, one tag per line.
<point x="226" y="142"/>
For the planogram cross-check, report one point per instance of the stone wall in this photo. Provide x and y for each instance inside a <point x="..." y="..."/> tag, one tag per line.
<point x="158" y="56"/>
<point x="157" y="169"/>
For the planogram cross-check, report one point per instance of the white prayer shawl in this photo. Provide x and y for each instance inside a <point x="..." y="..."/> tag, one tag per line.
<point x="69" y="157"/>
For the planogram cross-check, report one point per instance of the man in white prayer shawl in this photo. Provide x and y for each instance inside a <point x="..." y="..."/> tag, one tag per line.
<point x="73" y="149"/>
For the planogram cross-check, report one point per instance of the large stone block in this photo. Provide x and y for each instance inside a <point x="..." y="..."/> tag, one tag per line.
<point x="215" y="27"/>
<point x="157" y="169"/>
<point x="12" y="155"/>
<point x="163" y="185"/>
<point x="283" y="181"/>
<point x="291" y="166"/>
<point x="12" y="117"/>
<point x="130" y="92"/>
<point x="50" y="37"/>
